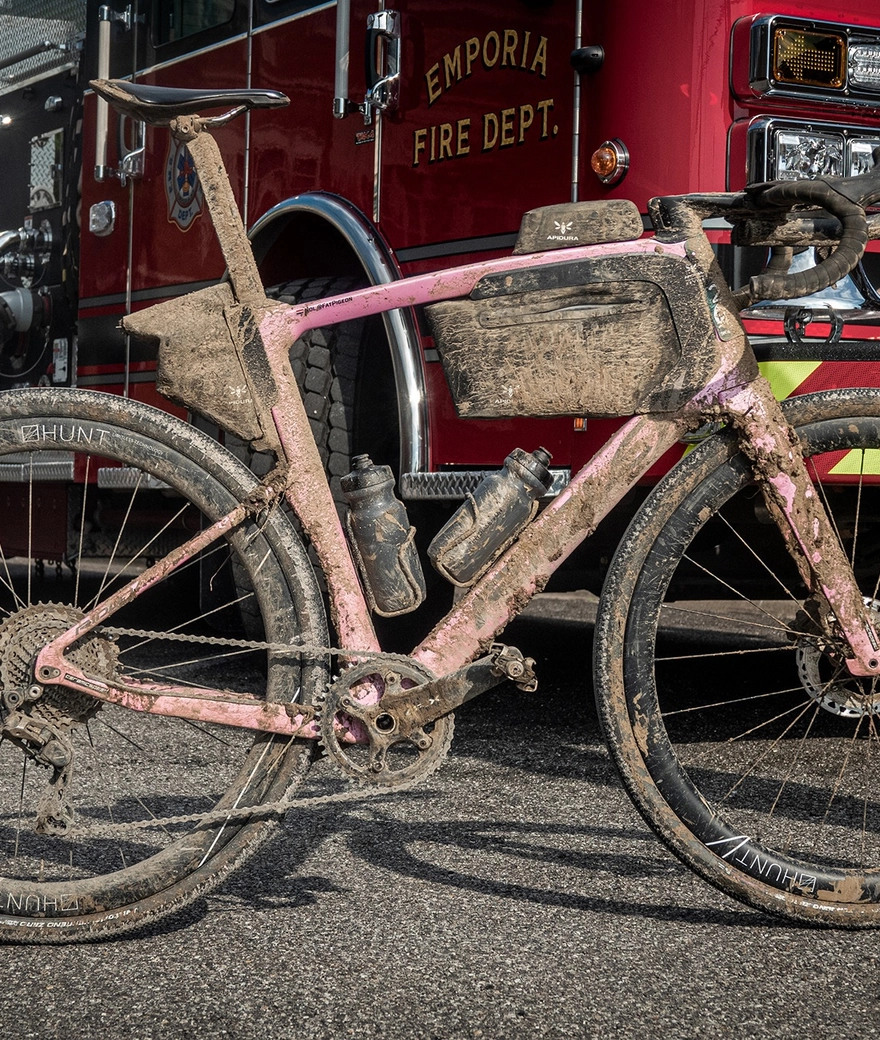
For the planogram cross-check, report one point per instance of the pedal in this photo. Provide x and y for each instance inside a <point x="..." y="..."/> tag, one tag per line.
<point x="510" y="663"/>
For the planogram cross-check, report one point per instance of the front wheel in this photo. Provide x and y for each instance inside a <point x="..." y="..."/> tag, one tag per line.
<point x="92" y="489"/>
<point x="738" y="731"/>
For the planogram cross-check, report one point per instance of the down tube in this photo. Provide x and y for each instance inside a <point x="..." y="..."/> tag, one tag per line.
<point x="525" y="569"/>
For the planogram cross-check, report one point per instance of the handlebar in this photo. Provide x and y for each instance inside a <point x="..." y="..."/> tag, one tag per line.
<point x="763" y="214"/>
<point x="853" y="239"/>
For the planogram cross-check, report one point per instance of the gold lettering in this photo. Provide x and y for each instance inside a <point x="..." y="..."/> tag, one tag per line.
<point x="462" y="143"/>
<point x="526" y="118"/>
<point x="525" y="52"/>
<point x="419" y="138"/>
<point x="544" y="107"/>
<point x="511" y="39"/>
<point x="452" y="66"/>
<point x="490" y="131"/>
<point x="445" y="141"/>
<point x="507" y="115"/>
<point x="471" y="52"/>
<point x="491" y="37"/>
<point x="539" y="62"/>
<point x="432" y="81"/>
<point x="505" y="48"/>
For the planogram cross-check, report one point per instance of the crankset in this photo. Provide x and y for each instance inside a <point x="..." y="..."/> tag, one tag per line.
<point x="391" y="723"/>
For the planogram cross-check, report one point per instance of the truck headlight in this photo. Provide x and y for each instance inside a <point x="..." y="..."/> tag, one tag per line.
<point x="807" y="155"/>
<point x="864" y="65"/>
<point x="783" y="149"/>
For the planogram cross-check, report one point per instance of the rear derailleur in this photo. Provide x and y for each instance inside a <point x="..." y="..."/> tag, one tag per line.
<point x="44" y="743"/>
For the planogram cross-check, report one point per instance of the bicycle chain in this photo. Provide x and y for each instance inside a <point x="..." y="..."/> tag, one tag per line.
<point x="282" y="805"/>
<point x="248" y="644"/>
<point x="278" y="808"/>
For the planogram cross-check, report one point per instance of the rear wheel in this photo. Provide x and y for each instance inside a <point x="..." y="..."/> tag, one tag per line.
<point x="76" y="525"/>
<point x="739" y="733"/>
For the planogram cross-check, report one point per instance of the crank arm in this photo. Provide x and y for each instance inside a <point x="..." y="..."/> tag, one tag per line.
<point x="411" y="710"/>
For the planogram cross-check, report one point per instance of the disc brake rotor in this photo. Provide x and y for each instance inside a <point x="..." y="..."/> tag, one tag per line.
<point x="827" y="681"/>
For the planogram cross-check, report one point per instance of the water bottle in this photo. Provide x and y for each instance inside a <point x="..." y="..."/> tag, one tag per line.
<point x="382" y="539"/>
<point x="492" y="517"/>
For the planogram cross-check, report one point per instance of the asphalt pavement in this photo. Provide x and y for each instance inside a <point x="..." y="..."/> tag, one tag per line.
<point x="515" y="895"/>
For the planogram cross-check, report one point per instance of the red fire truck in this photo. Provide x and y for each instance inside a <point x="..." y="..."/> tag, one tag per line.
<point x="416" y="137"/>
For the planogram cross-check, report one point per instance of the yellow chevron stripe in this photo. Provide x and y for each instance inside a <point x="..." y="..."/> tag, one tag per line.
<point x="785" y="377"/>
<point x="857" y="462"/>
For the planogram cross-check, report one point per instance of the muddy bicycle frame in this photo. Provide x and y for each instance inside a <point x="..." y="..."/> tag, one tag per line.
<point x="734" y="393"/>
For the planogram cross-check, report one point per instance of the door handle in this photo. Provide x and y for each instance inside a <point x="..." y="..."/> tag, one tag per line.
<point x="382" y="63"/>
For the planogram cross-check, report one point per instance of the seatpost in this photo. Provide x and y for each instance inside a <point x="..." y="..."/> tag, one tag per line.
<point x="243" y="273"/>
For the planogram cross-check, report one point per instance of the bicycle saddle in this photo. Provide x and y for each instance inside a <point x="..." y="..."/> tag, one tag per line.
<point x="159" y="105"/>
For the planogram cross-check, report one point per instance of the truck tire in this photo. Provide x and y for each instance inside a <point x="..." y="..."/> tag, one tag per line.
<point x="346" y="400"/>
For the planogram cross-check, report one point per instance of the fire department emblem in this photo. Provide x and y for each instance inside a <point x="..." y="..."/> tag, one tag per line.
<point x="182" y="188"/>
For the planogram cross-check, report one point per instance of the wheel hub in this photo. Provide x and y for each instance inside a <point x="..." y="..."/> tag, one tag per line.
<point x="825" y="678"/>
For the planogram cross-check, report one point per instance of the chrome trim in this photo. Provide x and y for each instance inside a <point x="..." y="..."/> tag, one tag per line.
<point x="759" y="134"/>
<point x="9" y="240"/>
<point x="621" y="154"/>
<point x="22" y="468"/>
<point x="576" y="114"/>
<point x="127" y="478"/>
<point x="400" y="325"/>
<point x="384" y="94"/>
<point x="457" y="484"/>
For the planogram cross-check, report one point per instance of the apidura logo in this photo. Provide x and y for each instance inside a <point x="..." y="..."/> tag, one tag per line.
<point x="562" y="228"/>
<point x="182" y="188"/>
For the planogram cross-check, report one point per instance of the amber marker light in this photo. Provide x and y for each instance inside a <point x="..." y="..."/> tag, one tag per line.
<point x="813" y="59"/>
<point x="610" y="161"/>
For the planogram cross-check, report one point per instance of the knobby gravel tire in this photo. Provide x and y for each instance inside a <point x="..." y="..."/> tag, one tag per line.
<point x="738" y="733"/>
<point x="79" y="545"/>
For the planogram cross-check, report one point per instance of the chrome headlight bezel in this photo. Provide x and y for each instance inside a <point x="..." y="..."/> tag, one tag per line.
<point x="773" y="148"/>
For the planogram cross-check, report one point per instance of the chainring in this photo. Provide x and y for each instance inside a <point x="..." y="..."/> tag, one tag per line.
<point x="386" y="754"/>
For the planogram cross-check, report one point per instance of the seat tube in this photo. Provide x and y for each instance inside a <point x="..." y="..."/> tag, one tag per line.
<point x="243" y="272"/>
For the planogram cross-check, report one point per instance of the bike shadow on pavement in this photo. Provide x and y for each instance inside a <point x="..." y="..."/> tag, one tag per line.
<point x="506" y="860"/>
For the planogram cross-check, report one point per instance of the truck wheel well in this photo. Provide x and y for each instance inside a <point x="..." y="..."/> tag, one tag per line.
<point x="305" y="245"/>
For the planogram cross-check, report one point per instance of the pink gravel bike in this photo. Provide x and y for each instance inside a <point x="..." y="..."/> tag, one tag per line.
<point x="146" y="751"/>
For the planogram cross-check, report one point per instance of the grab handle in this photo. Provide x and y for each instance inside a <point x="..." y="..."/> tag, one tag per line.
<point x="383" y="84"/>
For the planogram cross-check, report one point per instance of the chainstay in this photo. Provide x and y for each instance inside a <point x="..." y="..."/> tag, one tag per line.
<point x="250" y="644"/>
<point x="267" y="809"/>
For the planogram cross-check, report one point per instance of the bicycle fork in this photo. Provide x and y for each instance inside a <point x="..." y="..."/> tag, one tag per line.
<point x="778" y="465"/>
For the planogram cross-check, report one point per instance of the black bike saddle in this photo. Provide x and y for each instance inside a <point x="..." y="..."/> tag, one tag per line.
<point x="159" y="105"/>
